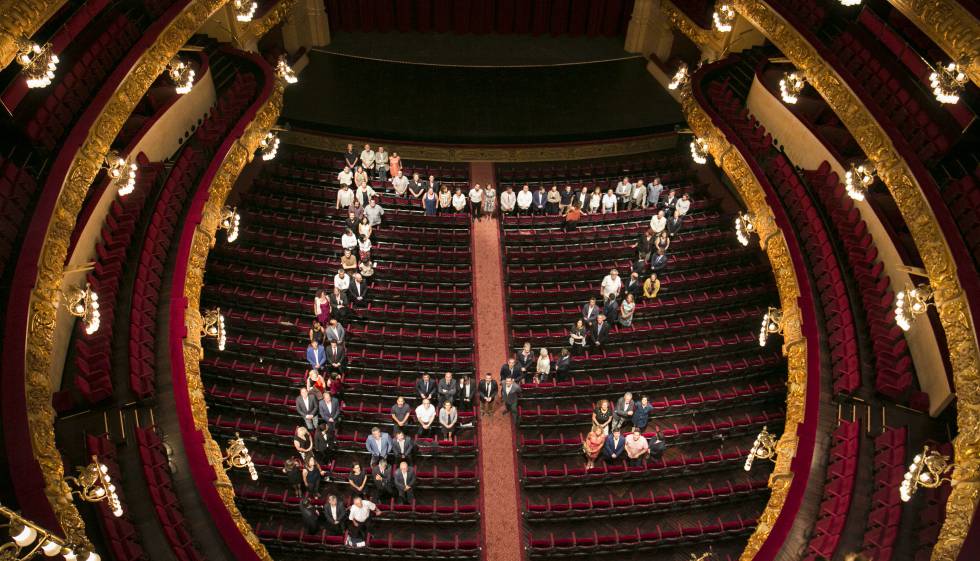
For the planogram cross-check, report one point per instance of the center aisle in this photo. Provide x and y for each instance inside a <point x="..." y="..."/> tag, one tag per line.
<point x="500" y="508"/>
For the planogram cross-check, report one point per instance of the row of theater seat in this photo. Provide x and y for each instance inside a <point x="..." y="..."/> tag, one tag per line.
<point x="183" y="177"/>
<point x="838" y="490"/>
<point x="886" y="506"/>
<point x="121" y="536"/>
<point x="320" y="209"/>
<point x="626" y="230"/>
<point x="390" y="233"/>
<point x="156" y="471"/>
<point x="962" y="196"/>
<point x="93" y="352"/>
<point x="17" y="190"/>
<point x="672" y="176"/>
<point x="315" y="161"/>
<point x="379" y="545"/>
<point x="584" y="170"/>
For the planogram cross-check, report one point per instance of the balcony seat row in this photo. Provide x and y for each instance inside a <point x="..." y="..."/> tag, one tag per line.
<point x="881" y="532"/>
<point x="838" y="490"/>
<point x="119" y="532"/>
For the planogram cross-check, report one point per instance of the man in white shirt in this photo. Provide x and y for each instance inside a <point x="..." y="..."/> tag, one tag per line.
<point x="476" y="200"/>
<point x="367" y="159"/>
<point x="341" y="280"/>
<point x="684" y="204"/>
<point x="381" y="163"/>
<point x="508" y="199"/>
<point x="426" y="414"/>
<point x="346" y="177"/>
<point x="374" y="212"/>
<point x="524" y="199"/>
<point x="345" y="196"/>
<point x="639" y="195"/>
<point x="609" y="202"/>
<point x="624" y="191"/>
<point x="360" y="512"/>
<point x="400" y="183"/>
<point x="658" y="222"/>
<point x="611" y="284"/>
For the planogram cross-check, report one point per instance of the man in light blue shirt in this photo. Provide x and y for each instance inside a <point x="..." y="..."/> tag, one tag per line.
<point x="316" y="356"/>
<point x="378" y="445"/>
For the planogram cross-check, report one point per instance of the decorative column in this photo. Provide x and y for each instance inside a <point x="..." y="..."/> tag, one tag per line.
<point x="649" y="31"/>
<point x="306" y="26"/>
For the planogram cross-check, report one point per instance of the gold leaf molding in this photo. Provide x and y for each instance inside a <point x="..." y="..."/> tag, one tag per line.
<point x="773" y="242"/>
<point x="700" y="36"/>
<point x="86" y="163"/>
<point x="20" y="18"/>
<point x="257" y="28"/>
<point x="951" y="301"/>
<point x="950" y="26"/>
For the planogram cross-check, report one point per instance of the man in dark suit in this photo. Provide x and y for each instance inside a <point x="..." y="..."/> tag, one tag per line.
<point x="425" y="387"/>
<point x="448" y="387"/>
<point x="358" y="290"/>
<point x="306" y="407"/>
<point x="527" y="364"/>
<point x="659" y="261"/>
<point x="330" y="411"/>
<point x="402" y="448"/>
<point x="634" y="286"/>
<point x="381" y="477"/>
<point x="509" y="370"/>
<point x="310" y="515"/>
<point x="600" y="331"/>
<point x="615" y="446"/>
<point x="488" y="391"/>
<point x="405" y="483"/>
<point x="334" y="516"/>
<point x="510" y="394"/>
<point x="539" y="200"/>
<point x="590" y="312"/>
<point x="337" y="358"/>
<point x="339" y="305"/>
<point x="466" y="393"/>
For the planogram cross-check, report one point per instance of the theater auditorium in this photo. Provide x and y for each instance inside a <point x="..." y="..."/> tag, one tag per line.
<point x="489" y="280"/>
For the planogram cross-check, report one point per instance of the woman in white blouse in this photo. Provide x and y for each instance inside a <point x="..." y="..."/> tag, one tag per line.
<point x="595" y="201"/>
<point x="543" y="367"/>
<point x="459" y="200"/>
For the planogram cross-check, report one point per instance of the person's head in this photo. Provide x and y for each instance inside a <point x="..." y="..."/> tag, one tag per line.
<point x="314" y="344"/>
<point x="313" y="374"/>
<point x="629" y="297"/>
<point x="322" y="293"/>
<point x="381" y="148"/>
<point x="426" y="402"/>
<point x="316" y="324"/>
<point x="644" y="400"/>
<point x="360" y="169"/>
<point x="686" y="197"/>
<point x="357" y="276"/>
<point x="336" y="291"/>
<point x="399" y="174"/>
<point x="677" y="213"/>
<point x="431" y="191"/>
<point x="592" y="300"/>
<point x="527" y="347"/>
<point x="346" y="170"/>
<point x="510" y="189"/>
<point x="568" y="188"/>
<point x="585" y="189"/>
<point x="327" y="397"/>
<point x="477" y="187"/>
<point x="364" y="219"/>
<point x="634" y="275"/>
<point x="448" y="405"/>
<point x="333" y="346"/>
<point x="403" y="465"/>
<point x="508" y="381"/>
<point x="464" y="380"/>
<point x="660" y="251"/>
<point x="358" y="502"/>
<point x="627" y="396"/>
<point x="616" y="433"/>
<point x="350" y="147"/>
<point x="614" y="273"/>
<point x="376" y="432"/>
<point x="488" y="376"/>
<point x="565" y="352"/>
<point x="510" y="362"/>
<point x="639" y="182"/>
<point x="597" y="430"/>
<point x="543" y="353"/>
<point x="637" y="432"/>
<point x="373" y="202"/>
<point x="347" y="253"/>
<point x="610" y="192"/>
<point x="672" y="193"/>
<point x="653" y="277"/>
<point x="415" y="176"/>
<point x="331" y="500"/>
<point x="382" y="464"/>
<point x="443" y="189"/>
<point x="459" y="191"/>
<point x="400" y="435"/>
<point x="660" y="213"/>
<point x="554" y="188"/>
<point x="601" y="319"/>
<point x="541" y="187"/>
<point x="656" y="181"/>
<point x="664" y="236"/>
<point x="597" y="190"/>
<point x="626" y="179"/>
<point x="580" y="323"/>
<point x="603" y="404"/>
<point x="367" y="146"/>
<point x="448" y="376"/>
<point x="351" y="217"/>
<point x="425" y="376"/>
<point x="304" y="393"/>
<point x="400" y="400"/>
<point x="355" y="468"/>
<point x="432" y="178"/>
<point x="525" y="187"/>
<point x="301" y="431"/>
<point x="311" y="462"/>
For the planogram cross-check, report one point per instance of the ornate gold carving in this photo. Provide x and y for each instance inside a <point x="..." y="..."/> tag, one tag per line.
<point x="492" y="154"/>
<point x="773" y="242"/>
<point x="947" y="23"/>
<point x="22" y="18"/>
<point x="232" y="165"/>
<point x="700" y="36"/>
<point x="954" y="313"/>
<point x="44" y="297"/>
<point x="257" y="28"/>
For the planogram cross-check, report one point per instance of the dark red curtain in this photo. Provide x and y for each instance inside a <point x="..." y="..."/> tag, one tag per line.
<point x="558" y="17"/>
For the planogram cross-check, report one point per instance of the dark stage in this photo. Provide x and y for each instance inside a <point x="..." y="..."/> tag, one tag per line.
<point x="344" y="95"/>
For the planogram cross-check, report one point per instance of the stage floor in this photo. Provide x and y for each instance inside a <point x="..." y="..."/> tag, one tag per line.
<point x="345" y="95"/>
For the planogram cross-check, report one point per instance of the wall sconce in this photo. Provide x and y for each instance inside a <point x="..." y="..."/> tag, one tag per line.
<point x="38" y="62"/>
<point x="269" y="146"/>
<point x="764" y="448"/>
<point x="948" y="81"/>
<point x="744" y="227"/>
<point x="927" y="470"/>
<point x="229" y="222"/>
<point x="181" y="74"/>
<point x="122" y="174"/>
<point x="84" y="303"/>
<point x="214" y="326"/>
<point x="724" y="18"/>
<point x="93" y="484"/>
<point x="772" y="323"/>
<point x="245" y="10"/>
<point x="911" y="303"/>
<point x="680" y="77"/>
<point x="284" y="71"/>
<point x="699" y="150"/>
<point x="858" y="180"/>
<point x="25" y="534"/>
<point x="237" y="457"/>
<point x="791" y="85"/>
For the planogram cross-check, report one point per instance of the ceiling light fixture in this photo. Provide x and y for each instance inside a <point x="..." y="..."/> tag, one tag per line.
<point x="84" y="303"/>
<point x="699" y="150"/>
<point x="724" y="18"/>
<point x="38" y="62"/>
<point x="791" y="85"/>
<point x="911" y="303"/>
<point x="181" y="74"/>
<point x="245" y="10"/>
<point x="772" y="323"/>
<point x="680" y="77"/>
<point x="859" y="179"/>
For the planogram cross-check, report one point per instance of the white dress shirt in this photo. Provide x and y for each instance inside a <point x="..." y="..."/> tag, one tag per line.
<point x="341" y="283"/>
<point x="524" y="199"/>
<point x="507" y="200"/>
<point x="425" y="414"/>
<point x="362" y="513"/>
<point x="658" y="223"/>
<point x="611" y="285"/>
<point x="683" y="206"/>
<point x="367" y="159"/>
<point x="345" y="177"/>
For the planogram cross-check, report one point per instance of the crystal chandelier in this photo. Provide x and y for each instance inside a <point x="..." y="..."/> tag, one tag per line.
<point x="84" y="303"/>
<point x="911" y="303"/>
<point x="699" y="150"/>
<point x="181" y="74"/>
<point x="269" y="146"/>
<point x="772" y="323"/>
<point x="229" y="222"/>
<point x="122" y="174"/>
<point x="680" y="77"/>
<point x="764" y="448"/>
<point x="245" y="10"/>
<point x="237" y="457"/>
<point x="948" y="82"/>
<point x="927" y="470"/>
<point x="724" y="17"/>
<point x="38" y="62"/>
<point x="284" y="71"/>
<point x="858" y="180"/>
<point x="27" y="539"/>
<point x="93" y="484"/>
<point x="791" y="85"/>
<point x="744" y="227"/>
<point x="214" y="326"/>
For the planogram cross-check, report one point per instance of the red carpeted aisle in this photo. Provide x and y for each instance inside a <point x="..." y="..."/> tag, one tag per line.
<point x="500" y="509"/>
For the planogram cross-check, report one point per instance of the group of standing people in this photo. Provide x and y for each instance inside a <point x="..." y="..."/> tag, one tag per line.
<point x="616" y="445"/>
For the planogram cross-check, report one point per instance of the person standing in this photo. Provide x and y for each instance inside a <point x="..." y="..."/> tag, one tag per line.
<point x="641" y="414"/>
<point x="381" y="163"/>
<point x="315" y="356"/>
<point x="425" y="414"/>
<point x="539" y="200"/>
<point x="639" y="195"/>
<point x="400" y="183"/>
<point x="476" y="201"/>
<point x="350" y="158"/>
<point x="489" y="201"/>
<point x="368" y="159"/>
<point x="395" y="164"/>
<point x="430" y="202"/>
<point x="511" y="394"/>
<point x="653" y="193"/>
<point x="359" y="515"/>
<point x="624" y="192"/>
<point x="508" y="200"/>
<point x="402" y="447"/>
<point x="564" y="365"/>
<point x="378" y="445"/>
<point x="509" y="369"/>
<point x="334" y="516"/>
<point x="615" y="447"/>
<point x="401" y="414"/>
<point x="488" y="394"/>
<point x="382" y="479"/>
<point x="425" y="387"/>
<point x="448" y="420"/>
<point x="623" y="411"/>
<point x="592" y="445"/>
<point x="310" y="516"/>
<point x="524" y="200"/>
<point x="637" y="448"/>
<point x="405" y="483"/>
<point x="554" y="200"/>
<point x="306" y="407"/>
<point x="448" y="387"/>
<point x="525" y="363"/>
